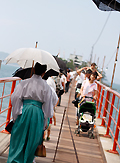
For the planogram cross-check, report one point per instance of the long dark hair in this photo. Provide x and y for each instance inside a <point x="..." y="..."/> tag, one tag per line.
<point x="95" y="74"/>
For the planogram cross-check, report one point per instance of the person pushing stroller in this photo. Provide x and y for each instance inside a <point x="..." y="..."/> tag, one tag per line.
<point x="89" y="87"/>
<point x="87" y="93"/>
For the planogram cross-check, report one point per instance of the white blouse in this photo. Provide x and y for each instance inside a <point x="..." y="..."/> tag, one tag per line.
<point x="88" y="88"/>
<point x="34" y="88"/>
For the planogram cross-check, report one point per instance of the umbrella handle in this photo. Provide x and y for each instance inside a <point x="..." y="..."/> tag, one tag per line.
<point x="32" y="68"/>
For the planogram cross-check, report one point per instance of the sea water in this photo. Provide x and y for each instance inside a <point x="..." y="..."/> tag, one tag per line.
<point x="5" y="71"/>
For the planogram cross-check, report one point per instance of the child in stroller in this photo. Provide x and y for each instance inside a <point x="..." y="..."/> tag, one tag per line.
<point x="86" y="116"/>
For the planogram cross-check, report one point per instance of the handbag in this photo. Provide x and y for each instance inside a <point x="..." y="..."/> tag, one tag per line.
<point x="40" y="151"/>
<point x="9" y="127"/>
<point x="75" y="102"/>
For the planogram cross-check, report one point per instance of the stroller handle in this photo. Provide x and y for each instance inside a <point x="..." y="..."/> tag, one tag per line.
<point x="91" y="98"/>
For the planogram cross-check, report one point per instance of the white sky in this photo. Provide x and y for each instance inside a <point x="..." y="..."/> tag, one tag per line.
<point x="64" y="26"/>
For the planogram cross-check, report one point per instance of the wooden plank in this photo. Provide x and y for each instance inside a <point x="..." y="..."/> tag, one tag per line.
<point x="4" y="142"/>
<point x="86" y="147"/>
<point x="62" y="150"/>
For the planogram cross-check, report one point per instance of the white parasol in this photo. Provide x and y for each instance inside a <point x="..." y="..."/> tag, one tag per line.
<point x="26" y="57"/>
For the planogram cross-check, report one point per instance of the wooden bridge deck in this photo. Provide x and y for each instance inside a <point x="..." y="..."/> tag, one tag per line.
<point x="88" y="150"/>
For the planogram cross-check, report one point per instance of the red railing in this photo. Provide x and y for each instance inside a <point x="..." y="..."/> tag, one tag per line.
<point x="7" y="85"/>
<point x="108" y="109"/>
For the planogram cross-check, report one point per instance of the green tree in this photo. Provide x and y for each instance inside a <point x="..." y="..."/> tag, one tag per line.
<point x="70" y="64"/>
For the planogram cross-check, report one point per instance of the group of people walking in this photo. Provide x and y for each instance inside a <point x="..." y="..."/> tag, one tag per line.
<point x="34" y="102"/>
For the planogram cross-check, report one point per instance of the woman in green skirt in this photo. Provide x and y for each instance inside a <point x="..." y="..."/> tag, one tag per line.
<point x="33" y="102"/>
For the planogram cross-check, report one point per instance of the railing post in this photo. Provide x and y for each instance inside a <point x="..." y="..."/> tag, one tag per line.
<point x="116" y="136"/>
<point x="99" y="90"/>
<point x="110" y="115"/>
<point x="105" y="108"/>
<point x="10" y="105"/>
<point x="2" y="96"/>
<point x="101" y="103"/>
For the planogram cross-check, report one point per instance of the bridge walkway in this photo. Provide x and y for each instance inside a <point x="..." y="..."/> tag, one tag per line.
<point x="88" y="150"/>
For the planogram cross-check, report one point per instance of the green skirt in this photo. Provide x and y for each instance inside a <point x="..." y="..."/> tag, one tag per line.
<point x="27" y="133"/>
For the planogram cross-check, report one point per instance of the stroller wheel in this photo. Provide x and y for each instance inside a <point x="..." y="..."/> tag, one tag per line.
<point x="88" y="133"/>
<point x="75" y="132"/>
<point x="91" y="136"/>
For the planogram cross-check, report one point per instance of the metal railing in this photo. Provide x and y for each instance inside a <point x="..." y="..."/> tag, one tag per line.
<point x="108" y="108"/>
<point x="7" y="86"/>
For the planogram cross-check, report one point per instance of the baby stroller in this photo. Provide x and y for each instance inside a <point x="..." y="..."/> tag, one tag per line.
<point x="86" y="116"/>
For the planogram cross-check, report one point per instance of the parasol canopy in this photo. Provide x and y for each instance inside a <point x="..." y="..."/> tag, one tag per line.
<point x="26" y="57"/>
